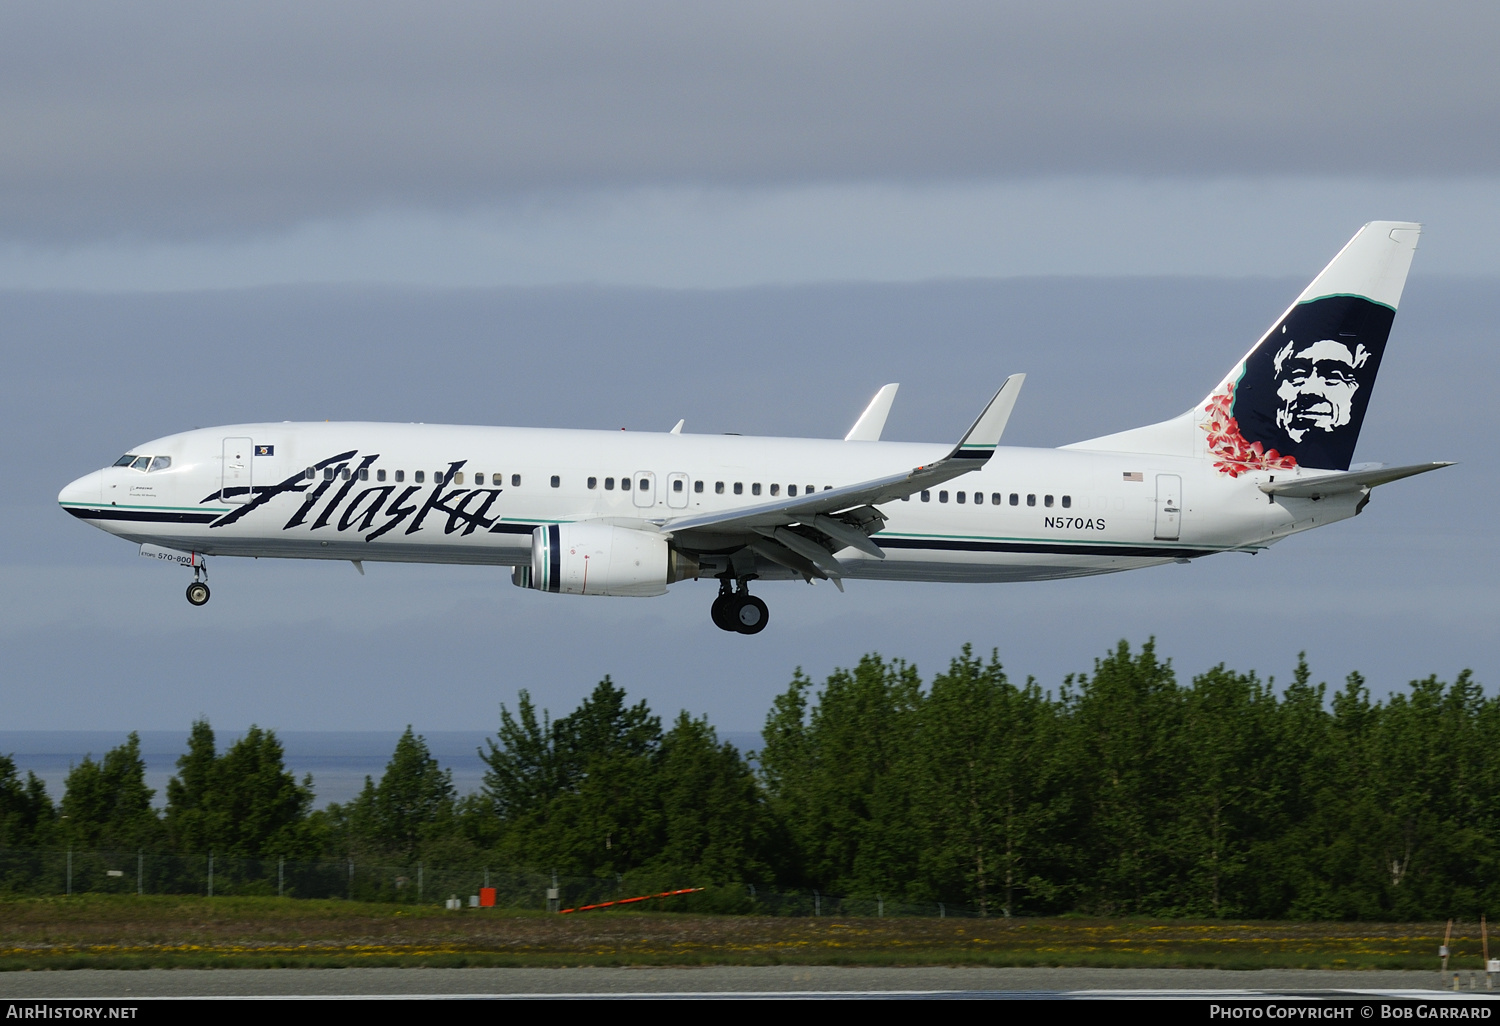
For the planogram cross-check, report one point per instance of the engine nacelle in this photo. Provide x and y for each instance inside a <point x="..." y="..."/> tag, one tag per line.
<point x="601" y="559"/>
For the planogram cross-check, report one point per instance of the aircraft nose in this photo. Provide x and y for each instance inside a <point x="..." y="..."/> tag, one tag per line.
<point x="87" y="490"/>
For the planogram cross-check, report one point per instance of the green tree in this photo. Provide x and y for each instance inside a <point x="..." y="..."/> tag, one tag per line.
<point x="413" y="800"/>
<point x="192" y="811"/>
<point x="26" y="813"/>
<point x="838" y="777"/>
<point x="576" y="793"/>
<point x="606" y="818"/>
<point x="242" y="803"/>
<point x="987" y="787"/>
<point x="107" y="804"/>
<point x="713" y="819"/>
<point x="1122" y="746"/>
<point x="1228" y="793"/>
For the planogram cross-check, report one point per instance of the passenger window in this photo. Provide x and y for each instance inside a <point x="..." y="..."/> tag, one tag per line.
<point x="809" y="489"/>
<point x="718" y="487"/>
<point x="776" y="489"/>
<point x="400" y="476"/>
<point x="141" y="463"/>
<point x="458" y="477"/>
<point x="698" y="487"/>
<point x="644" y="483"/>
<point x="1015" y="500"/>
<point x="126" y="460"/>
<point x="994" y="498"/>
<point x="364" y="473"/>
<point x="755" y="488"/>
<point x="437" y="477"/>
<point x="609" y="484"/>
<point x="1047" y="502"/>
<point x="791" y="490"/>
<point x="515" y="480"/>
<point x="926" y="496"/>
<point x="380" y="475"/>
<point x="960" y="496"/>
<point x="1031" y="500"/>
<point x="593" y="483"/>
<point x="942" y="496"/>
<point x="309" y="474"/>
<point x="1067" y="502"/>
<point x="419" y="476"/>
<point x="161" y="462"/>
<point x="677" y="485"/>
<point x="556" y="481"/>
<point x="327" y="473"/>
<point x="739" y="488"/>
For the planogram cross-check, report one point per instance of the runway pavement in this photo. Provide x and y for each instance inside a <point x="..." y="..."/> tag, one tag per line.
<point x="738" y="981"/>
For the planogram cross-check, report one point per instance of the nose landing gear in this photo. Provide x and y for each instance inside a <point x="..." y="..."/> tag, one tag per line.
<point x="197" y="592"/>
<point x="738" y="610"/>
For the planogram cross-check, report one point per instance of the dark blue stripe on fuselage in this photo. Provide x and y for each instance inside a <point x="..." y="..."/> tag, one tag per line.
<point x="1044" y="548"/>
<point x="143" y="516"/>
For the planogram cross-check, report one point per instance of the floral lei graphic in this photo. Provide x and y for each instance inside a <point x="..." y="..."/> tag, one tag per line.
<point x="1235" y="455"/>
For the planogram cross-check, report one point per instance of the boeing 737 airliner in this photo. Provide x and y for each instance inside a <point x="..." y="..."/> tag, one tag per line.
<point x="1266" y="454"/>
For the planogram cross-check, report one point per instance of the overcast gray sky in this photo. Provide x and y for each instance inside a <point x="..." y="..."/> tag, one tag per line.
<point x="748" y="215"/>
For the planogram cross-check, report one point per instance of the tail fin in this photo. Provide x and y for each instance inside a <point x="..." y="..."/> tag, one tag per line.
<point x="1298" y="398"/>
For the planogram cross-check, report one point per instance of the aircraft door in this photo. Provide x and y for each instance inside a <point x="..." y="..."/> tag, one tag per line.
<point x="1168" y="507"/>
<point x="238" y="458"/>
<point x="677" y="491"/>
<point x="644" y="491"/>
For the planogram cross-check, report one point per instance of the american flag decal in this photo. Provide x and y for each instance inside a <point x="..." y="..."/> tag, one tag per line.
<point x="1134" y="477"/>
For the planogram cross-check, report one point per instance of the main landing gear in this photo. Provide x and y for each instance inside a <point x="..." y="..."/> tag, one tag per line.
<point x="197" y="592"/>
<point x="738" y="610"/>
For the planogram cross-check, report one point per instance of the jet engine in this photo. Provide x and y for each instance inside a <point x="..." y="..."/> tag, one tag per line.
<point x="601" y="559"/>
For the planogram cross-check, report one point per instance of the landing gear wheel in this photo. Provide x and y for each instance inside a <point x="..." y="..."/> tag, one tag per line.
<point x="722" y="613"/>
<point x="197" y="593"/>
<point x="750" y="614"/>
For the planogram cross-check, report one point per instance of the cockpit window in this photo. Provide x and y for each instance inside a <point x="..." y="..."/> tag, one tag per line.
<point x="126" y="460"/>
<point x="161" y="462"/>
<point x="141" y="463"/>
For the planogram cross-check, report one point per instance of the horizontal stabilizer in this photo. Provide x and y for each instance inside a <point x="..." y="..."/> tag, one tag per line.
<point x="1348" y="481"/>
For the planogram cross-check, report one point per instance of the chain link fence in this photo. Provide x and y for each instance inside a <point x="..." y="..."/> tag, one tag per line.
<point x="36" y="872"/>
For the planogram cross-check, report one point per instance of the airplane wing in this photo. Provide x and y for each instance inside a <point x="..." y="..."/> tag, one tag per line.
<point x="803" y="533"/>
<point x="872" y="421"/>
<point x="1347" y="481"/>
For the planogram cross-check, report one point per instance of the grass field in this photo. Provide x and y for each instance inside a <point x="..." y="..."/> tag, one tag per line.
<point x="104" y="931"/>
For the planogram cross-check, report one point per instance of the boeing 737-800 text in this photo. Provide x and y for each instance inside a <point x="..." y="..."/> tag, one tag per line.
<point x="1266" y="454"/>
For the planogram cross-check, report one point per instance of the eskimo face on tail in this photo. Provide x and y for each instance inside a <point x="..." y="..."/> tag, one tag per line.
<point x="1316" y="384"/>
<point x="1301" y="395"/>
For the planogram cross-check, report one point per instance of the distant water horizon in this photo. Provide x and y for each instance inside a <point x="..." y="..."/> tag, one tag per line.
<point x="338" y="760"/>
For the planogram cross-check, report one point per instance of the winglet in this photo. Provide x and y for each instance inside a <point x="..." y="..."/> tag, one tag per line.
<point x="677" y="430"/>
<point x="870" y="423"/>
<point x="979" y="442"/>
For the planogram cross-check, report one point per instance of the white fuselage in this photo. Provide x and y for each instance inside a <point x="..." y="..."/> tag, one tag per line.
<point x="1045" y="513"/>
